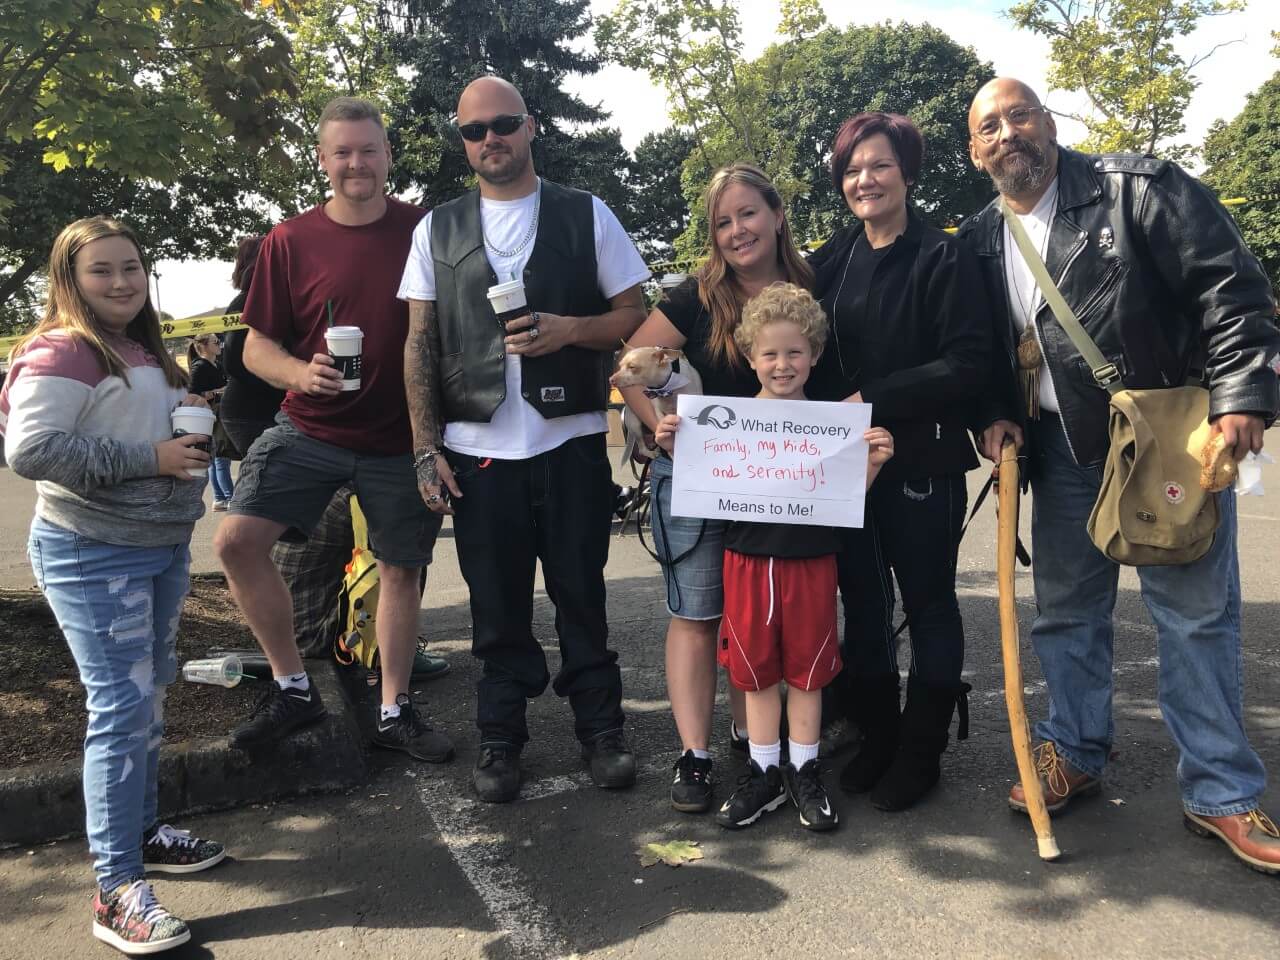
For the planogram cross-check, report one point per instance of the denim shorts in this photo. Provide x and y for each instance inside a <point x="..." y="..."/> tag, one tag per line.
<point x="290" y="478"/>
<point x="690" y="550"/>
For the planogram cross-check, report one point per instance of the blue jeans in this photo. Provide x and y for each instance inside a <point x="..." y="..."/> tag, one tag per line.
<point x="1196" y="610"/>
<point x="118" y="607"/>
<point x="220" y="477"/>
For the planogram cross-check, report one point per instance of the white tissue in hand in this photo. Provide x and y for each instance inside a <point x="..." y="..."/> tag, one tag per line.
<point x="1249" y="475"/>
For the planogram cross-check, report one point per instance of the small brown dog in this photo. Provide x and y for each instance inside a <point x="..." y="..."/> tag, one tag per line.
<point x="652" y="368"/>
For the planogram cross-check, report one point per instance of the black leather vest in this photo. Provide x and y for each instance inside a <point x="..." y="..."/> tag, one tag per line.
<point x="560" y="278"/>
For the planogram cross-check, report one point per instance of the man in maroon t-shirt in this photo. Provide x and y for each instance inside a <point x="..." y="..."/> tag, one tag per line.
<point x="336" y="265"/>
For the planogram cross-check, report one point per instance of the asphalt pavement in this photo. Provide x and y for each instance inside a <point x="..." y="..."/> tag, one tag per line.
<point x="413" y="865"/>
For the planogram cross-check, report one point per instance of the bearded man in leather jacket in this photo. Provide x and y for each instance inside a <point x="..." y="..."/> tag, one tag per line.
<point x="1159" y="276"/>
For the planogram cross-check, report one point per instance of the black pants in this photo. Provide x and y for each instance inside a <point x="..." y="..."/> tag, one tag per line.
<point x="556" y="507"/>
<point x="912" y="535"/>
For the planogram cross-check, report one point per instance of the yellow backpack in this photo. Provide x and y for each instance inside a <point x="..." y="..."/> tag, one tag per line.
<point x="357" y="639"/>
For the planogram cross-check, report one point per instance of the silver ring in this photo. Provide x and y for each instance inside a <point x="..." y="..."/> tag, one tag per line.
<point x="434" y="498"/>
<point x="533" y="333"/>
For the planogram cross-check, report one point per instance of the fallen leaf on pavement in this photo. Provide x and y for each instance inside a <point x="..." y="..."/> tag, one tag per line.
<point x="1117" y="802"/>
<point x="673" y="854"/>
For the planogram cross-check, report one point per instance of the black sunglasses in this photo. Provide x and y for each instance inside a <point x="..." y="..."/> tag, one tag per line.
<point x="504" y="125"/>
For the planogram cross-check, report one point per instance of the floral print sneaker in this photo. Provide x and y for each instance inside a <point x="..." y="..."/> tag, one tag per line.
<point x="168" y="850"/>
<point x="132" y="920"/>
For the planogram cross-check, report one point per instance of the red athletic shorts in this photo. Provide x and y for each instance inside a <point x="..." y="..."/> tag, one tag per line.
<point x="779" y="621"/>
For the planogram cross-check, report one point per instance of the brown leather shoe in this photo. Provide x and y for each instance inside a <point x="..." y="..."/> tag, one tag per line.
<point x="1059" y="780"/>
<point x="1252" y="836"/>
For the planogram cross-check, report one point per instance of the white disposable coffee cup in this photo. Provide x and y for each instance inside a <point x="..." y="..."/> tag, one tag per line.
<point x="199" y="421"/>
<point x="508" y="301"/>
<point x="344" y="346"/>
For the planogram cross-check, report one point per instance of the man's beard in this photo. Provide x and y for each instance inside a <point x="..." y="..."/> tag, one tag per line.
<point x="512" y="167"/>
<point x="1022" y="170"/>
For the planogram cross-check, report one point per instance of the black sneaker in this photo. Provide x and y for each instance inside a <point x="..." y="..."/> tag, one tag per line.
<point x="497" y="773"/>
<point x="411" y="735"/>
<point x="613" y="764"/>
<point x="810" y="797"/>
<point x="277" y="714"/>
<point x="738" y="744"/>
<point x="168" y="850"/>
<point x="758" y="792"/>
<point x="691" y="789"/>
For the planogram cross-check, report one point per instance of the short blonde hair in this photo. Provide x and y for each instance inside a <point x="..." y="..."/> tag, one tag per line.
<point x="782" y="303"/>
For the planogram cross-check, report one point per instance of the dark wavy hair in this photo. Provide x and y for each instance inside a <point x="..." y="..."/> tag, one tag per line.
<point x="246" y="257"/>
<point x="903" y="135"/>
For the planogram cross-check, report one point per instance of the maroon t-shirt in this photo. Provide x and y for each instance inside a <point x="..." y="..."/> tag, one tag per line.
<point x="306" y="263"/>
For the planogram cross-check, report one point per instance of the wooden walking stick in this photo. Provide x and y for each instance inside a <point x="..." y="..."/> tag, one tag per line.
<point x="1006" y="549"/>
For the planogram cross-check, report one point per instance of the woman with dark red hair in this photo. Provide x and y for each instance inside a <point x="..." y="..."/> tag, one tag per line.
<point x="911" y="335"/>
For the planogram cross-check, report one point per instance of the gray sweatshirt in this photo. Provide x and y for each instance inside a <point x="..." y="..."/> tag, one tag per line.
<point x="88" y="440"/>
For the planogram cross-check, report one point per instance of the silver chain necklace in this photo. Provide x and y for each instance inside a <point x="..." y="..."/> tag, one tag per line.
<point x="528" y="236"/>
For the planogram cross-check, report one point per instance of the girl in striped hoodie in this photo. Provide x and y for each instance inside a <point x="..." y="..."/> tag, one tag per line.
<point x="85" y="413"/>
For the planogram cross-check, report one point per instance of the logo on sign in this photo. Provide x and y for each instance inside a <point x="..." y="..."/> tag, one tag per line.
<point x="721" y="421"/>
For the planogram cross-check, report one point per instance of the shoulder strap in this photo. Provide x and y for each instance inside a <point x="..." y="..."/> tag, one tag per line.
<point x="1104" y="371"/>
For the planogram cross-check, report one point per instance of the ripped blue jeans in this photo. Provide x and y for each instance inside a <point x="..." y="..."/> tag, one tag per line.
<point x="118" y="607"/>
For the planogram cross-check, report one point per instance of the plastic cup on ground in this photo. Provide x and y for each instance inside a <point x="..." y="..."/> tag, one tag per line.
<point x="199" y="421"/>
<point x="345" y="344"/>
<point x="224" y="671"/>
<point x="508" y="301"/>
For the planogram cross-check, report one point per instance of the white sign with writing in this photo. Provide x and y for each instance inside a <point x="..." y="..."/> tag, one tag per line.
<point x="774" y="461"/>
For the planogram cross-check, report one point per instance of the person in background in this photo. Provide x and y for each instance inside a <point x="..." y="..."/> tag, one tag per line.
<point x="85" y="413"/>
<point x="208" y="381"/>
<point x="249" y="403"/>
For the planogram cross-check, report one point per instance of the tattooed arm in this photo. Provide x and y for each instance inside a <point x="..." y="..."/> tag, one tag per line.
<point x="422" y="390"/>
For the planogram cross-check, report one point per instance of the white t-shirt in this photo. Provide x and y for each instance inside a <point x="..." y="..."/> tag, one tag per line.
<point x="1024" y="293"/>
<point x="517" y="430"/>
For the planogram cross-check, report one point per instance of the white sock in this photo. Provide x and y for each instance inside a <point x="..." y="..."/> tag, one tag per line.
<point x="700" y="754"/>
<point x="766" y="756"/>
<point x="294" y="681"/>
<point x="801" y="753"/>
<point x="391" y="711"/>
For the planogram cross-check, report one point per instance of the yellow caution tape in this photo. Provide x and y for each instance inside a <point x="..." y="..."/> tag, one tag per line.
<point x="169" y="329"/>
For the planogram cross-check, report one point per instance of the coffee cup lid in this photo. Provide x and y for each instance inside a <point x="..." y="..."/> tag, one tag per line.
<point x="344" y="333"/>
<point x="499" y="289"/>
<point x="200" y="413"/>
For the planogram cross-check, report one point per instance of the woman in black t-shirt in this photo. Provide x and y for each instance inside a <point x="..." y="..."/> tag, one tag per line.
<point x="749" y="248"/>
<point x="911" y="335"/>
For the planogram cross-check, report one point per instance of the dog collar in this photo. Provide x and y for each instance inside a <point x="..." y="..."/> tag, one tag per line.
<point x="675" y="381"/>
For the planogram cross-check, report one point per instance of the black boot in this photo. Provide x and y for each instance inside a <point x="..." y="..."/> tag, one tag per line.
<point x="925" y="721"/>
<point x="875" y="710"/>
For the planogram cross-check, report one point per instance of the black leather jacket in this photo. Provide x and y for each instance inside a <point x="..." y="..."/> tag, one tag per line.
<point x="1159" y="276"/>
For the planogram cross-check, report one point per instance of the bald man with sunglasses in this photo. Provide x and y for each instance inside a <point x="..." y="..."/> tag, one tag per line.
<point x="509" y="425"/>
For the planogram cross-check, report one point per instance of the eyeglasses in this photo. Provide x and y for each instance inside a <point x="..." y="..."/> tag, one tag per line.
<point x="503" y="125"/>
<point x="1020" y="118"/>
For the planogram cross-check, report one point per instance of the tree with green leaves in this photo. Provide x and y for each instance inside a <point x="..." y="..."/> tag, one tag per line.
<point x="445" y="44"/>
<point x="658" y="209"/>
<point x="156" y="110"/>
<point x="1121" y="55"/>
<point x="782" y="110"/>
<point x="1241" y="162"/>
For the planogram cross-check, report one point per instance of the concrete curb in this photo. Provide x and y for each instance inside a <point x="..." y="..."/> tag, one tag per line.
<point x="45" y="801"/>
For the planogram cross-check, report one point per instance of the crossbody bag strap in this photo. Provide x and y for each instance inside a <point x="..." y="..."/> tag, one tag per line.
<point x="1103" y="370"/>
